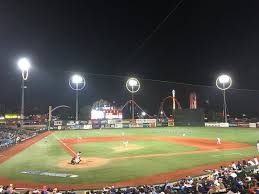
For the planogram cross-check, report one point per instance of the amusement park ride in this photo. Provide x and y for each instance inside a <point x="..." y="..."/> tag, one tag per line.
<point x="192" y="101"/>
<point x="175" y="104"/>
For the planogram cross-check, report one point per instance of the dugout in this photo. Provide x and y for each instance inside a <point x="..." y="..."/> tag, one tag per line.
<point x="189" y="117"/>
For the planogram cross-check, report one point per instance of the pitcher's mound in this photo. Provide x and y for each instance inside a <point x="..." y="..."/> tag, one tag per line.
<point x="85" y="163"/>
<point x="123" y="148"/>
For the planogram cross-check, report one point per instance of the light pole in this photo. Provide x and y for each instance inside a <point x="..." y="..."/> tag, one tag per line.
<point x="77" y="82"/>
<point x="132" y="86"/>
<point x="223" y="83"/>
<point x="24" y="66"/>
<point x="53" y="109"/>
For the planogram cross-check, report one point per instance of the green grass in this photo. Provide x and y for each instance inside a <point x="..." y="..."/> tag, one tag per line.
<point x="105" y="149"/>
<point x="242" y="135"/>
<point x="44" y="156"/>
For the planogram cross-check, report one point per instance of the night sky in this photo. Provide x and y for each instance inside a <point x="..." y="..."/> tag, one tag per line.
<point x="197" y="42"/>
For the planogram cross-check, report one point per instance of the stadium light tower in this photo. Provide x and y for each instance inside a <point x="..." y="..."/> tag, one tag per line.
<point x="223" y="83"/>
<point x="77" y="82"/>
<point x="132" y="86"/>
<point x="24" y="65"/>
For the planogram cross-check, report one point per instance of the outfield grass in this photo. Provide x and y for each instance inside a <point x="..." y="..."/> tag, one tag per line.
<point x="242" y="135"/>
<point x="106" y="149"/>
<point x="44" y="156"/>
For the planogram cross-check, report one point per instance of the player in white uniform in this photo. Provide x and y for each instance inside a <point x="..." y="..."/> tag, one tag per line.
<point x="78" y="158"/>
<point x="218" y="140"/>
<point x="125" y="143"/>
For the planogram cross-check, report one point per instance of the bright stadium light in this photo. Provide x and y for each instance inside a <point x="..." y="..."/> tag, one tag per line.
<point x="224" y="82"/>
<point x="77" y="82"/>
<point x="77" y="79"/>
<point x="132" y="86"/>
<point x="24" y="65"/>
<point x="143" y="114"/>
<point x="133" y="82"/>
<point x="224" y="79"/>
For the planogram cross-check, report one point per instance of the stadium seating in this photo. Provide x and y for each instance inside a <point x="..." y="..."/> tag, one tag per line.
<point x="9" y="137"/>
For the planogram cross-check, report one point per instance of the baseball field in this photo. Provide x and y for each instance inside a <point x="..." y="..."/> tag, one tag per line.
<point x="150" y="156"/>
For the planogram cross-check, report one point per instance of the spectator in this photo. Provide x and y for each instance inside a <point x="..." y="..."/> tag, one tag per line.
<point x="250" y="162"/>
<point x="234" y="167"/>
<point x="256" y="161"/>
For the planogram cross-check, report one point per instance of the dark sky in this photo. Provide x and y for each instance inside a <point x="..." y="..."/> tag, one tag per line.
<point x="197" y="42"/>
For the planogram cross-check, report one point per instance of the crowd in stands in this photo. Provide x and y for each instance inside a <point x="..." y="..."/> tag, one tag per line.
<point x="10" y="136"/>
<point x="240" y="177"/>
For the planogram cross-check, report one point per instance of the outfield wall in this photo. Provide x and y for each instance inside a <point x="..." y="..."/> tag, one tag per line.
<point x="236" y="124"/>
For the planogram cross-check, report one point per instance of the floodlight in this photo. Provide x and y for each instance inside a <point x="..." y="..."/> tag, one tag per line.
<point x="224" y="82"/>
<point x="224" y="79"/>
<point x="133" y="82"/>
<point x="76" y="79"/>
<point x="77" y="83"/>
<point x="143" y="114"/>
<point x="24" y="64"/>
<point x="132" y="85"/>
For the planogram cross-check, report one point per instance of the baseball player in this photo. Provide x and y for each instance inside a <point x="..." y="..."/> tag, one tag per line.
<point x="78" y="158"/>
<point x="125" y="143"/>
<point x="218" y="141"/>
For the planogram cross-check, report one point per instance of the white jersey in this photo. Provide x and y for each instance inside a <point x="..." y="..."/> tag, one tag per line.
<point x="256" y="161"/>
<point x="125" y="143"/>
<point x="218" y="140"/>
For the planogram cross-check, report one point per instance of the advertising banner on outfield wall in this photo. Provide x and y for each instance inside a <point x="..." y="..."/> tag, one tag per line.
<point x="217" y="125"/>
<point x="118" y="125"/>
<point x="233" y="125"/>
<point x="245" y="125"/>
<point x="160" y="124"/>
<point x="224" y="125"/>
<point x="170" y="122"/>
<point x="125" y="125"/>
<point x="145" y="120"/>
<point x="252" y="125"/>
<point x="212" y="124"/>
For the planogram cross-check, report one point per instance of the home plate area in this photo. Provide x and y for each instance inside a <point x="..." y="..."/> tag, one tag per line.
<point x="89" y="162"/>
